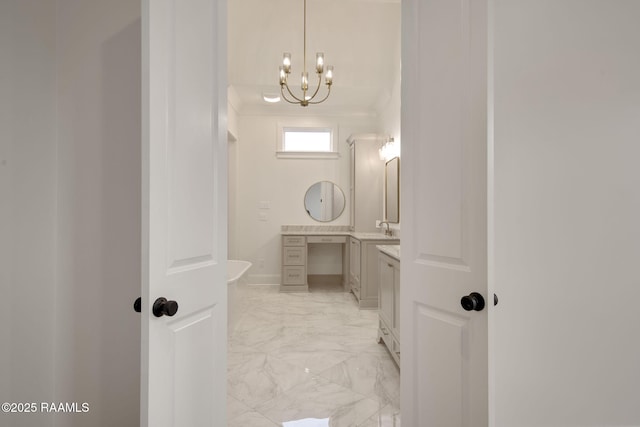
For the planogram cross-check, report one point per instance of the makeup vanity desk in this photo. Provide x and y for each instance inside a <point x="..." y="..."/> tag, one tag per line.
<point x="359" y="260"/>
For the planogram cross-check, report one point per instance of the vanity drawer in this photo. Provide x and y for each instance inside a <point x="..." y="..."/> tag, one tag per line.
<point x="327" y="239"/>
<point x="295" y="255"/>
<point x="294" y="276"/>
<point x="293" y="240"/>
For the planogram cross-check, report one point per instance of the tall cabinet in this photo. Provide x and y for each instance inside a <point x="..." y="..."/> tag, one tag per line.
<point x="367" y="172"/>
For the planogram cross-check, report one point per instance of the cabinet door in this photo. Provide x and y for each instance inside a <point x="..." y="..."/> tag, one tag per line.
<point x="355" y="260"/>
<point x="395" y="327"/>
<point x="369" y="273"/>
<point x="354" y="267"/>
<point x="385" y="290"/>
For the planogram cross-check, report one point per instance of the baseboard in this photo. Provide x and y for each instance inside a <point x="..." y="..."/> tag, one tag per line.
<point x="324" y="279"/>
<point x="294" y="288"/>
<point x="263" y="279"/>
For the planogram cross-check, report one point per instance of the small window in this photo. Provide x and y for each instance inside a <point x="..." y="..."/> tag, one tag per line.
<point x="306" y="142"/>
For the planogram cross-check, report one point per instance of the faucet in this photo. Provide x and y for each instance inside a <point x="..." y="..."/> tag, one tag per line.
<point x="388" y="231"/>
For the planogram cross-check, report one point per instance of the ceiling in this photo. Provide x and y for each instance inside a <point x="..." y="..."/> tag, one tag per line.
<point x="360" y="38"/>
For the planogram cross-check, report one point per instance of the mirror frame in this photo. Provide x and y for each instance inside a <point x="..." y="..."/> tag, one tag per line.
<point x="392" y="180"/>
<point x="337" y="215"/>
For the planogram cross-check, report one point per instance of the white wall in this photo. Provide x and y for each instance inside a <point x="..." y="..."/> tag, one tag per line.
<point x="389" y="108"/>
<point x="70" y="215"/>
<point x="389" y="112"/>
<point x="28" y="205"/>
<point x="97" y="331"/>
<point x="282" y="183"/>
<point x="566" y="109"/>
<point x="5" y="195"/>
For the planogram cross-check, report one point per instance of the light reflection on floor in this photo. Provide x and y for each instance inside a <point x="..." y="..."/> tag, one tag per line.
<point x="307" y="422"/>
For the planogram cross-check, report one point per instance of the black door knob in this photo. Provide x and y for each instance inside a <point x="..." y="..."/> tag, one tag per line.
<point x="473" y="301"/>
<point x="137" y="305"/>
<point x="164" y="307"/>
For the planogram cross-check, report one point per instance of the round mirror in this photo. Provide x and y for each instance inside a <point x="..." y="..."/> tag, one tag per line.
<point x="324" y="201"/>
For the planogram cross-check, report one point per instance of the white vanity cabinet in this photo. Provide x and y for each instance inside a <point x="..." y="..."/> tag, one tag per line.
<point x="363" y="268"/>
<point x="359" y="273"/>
<point x="294" y="264"/>
<point x="389" y="312"/>
<point x="296" y="252"/>
<point x="365" y="191"/>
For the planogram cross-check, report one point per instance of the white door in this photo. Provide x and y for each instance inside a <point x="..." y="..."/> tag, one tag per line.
<point x="184" y="212"/>
<point x="444" y="256"/>
<point x="563" y="204"/>
<point x="567" y="213"/>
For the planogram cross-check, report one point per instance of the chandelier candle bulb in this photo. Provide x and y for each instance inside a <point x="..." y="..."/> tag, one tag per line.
<point x="305" y="81"/>
<point x="283" y="75"/>
<point x="286" y="62"/>
<point x="319" y="62"/>
<point x="328" y="77"/>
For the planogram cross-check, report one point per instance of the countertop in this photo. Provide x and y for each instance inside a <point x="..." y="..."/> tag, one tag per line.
<point x="392" y="250"/>
<point x="333" y="230"/>
<point x="358" y="235"/>
<point x="372" y="236"/>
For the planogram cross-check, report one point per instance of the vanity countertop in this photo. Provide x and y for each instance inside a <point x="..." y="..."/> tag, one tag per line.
<point x="315" y="233"/>
<point x="392" y="250"/>
<point x="356" y="234"/>
<point x="329" y="230"/>
<point x="372" y="236"/>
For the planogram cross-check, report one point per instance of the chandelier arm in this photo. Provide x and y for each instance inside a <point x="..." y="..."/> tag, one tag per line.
<point x="291" y="93"/>
<point x="317" y="88"/>
<point x="323" y="99"/>
<point x="297" y="101"/>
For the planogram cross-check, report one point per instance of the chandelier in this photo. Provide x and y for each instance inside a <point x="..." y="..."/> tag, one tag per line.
<point x="285" y="70"/>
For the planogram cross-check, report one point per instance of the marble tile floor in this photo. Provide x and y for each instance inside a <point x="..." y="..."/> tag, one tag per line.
<point x="308" y="360"/>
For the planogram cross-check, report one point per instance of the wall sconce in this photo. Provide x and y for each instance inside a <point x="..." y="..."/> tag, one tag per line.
<point x="389" y="150"/>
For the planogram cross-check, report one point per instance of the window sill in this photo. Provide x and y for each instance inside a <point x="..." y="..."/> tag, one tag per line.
<point x="306" y="155"/>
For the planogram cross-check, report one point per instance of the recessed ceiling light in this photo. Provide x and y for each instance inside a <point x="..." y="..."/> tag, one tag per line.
<point x="270" y="97"/>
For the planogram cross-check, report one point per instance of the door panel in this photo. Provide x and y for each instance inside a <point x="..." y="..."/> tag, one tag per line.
<point x="193" y="387"/>
<point x="444" y="155"/>
<point x="443" y="364"/>
<point x="184" y="212"/>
